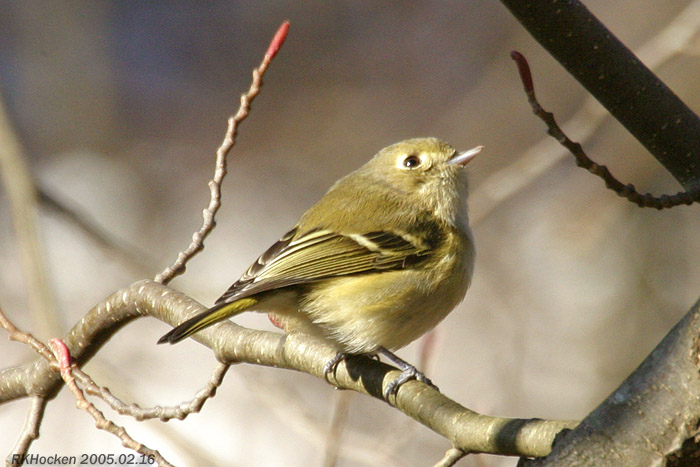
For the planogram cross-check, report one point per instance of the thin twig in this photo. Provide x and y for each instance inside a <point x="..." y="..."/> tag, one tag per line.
<point x="179" y="411"/>
<point x="632" y="93"/>
<point x="29" y="433"/>
<point x="675" y="38"/>
<point x="63" y="356"/>
<point x="628" y="191"/>
<point x="20" y="336"/>
<point x="452" y="456"/>
<point x="70" y="374"/>
<point x="208" y="223"/>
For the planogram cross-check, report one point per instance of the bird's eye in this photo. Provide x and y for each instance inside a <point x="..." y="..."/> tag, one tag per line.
<point x="411" y="162"/>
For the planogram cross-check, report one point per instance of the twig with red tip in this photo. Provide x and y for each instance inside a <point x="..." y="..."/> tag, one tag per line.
<point x="62" y="355"/>
<point x="628" y="191"/>
<point x="208" y="222"/>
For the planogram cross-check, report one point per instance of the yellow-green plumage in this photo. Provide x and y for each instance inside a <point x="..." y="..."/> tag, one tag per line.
<point x="383" y="257"/>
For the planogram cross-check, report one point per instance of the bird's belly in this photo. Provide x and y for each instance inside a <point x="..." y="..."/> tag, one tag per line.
<point x="390" y="309"/>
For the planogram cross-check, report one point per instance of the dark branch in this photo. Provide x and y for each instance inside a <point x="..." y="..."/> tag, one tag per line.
<point x="612" y="73"/>
<point x="628" y="191"/>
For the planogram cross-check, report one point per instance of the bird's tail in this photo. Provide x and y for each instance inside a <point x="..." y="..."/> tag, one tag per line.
<point x="213" y="315"/>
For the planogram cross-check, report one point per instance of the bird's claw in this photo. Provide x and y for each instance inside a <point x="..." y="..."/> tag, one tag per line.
<point x="407" y="374"/>
<point x="332" y="364"/>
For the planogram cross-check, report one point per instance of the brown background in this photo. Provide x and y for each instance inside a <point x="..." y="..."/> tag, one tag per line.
<point x="120" y="106"/>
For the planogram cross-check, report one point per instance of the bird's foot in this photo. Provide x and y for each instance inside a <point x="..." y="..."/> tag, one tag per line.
<point x="408" y="372"/>
<point x="332" y="364"/>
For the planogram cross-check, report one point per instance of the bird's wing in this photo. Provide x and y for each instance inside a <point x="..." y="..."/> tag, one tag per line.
<point x="322" y="254"/>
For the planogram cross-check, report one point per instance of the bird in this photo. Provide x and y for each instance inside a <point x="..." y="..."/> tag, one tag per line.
<point x="377" y="262"/>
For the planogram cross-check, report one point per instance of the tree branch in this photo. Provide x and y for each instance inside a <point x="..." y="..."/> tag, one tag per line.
<point x="676" y="38"/>
<point x="208" y="214"/>
<point x="63" y="357"/>
<point x="648" y="418"/>
<point x="628" y="191"/>
<point x="612" y="73"/>
<point x="468" y="430"/>
<point x="30" y="432"/>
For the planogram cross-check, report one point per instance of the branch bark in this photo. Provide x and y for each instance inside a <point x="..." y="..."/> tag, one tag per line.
<point x="468" y="430"/>
<point x="650" y="416"/>
<point x="622" y="84"/>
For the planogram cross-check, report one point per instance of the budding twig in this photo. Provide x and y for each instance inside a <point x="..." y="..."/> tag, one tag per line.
<point x="208" y="222"/>
<point x="62" y="355"/>
<point x="628" y="191"/>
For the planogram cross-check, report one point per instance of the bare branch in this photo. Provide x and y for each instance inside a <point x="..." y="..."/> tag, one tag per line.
<point x="582" y="160"/>
<point x="452" y="456"/>
<point x="208" y="223"/>
<point x="468" y="430"/>
<point x="674" y="39"/>
<point x="180" y="411"/>
<point x="63" y="356"/>
<point x="30" y="431"/>
<point x="641" y="102"/>
<point x="648" y="418"/>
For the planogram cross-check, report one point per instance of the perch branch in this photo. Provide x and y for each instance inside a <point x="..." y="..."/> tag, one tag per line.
<point x="468" y="430"/>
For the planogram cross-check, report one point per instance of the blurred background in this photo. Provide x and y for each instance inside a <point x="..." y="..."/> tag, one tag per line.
<point x="120" y="106"/>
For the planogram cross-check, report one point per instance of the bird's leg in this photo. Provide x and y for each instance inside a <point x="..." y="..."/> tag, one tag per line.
<point x="408" y="372"/>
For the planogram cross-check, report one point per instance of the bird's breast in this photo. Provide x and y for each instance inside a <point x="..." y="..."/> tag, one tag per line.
<point x="389" y="309"/>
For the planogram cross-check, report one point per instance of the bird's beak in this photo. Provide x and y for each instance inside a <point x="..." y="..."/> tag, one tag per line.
<point x="463" y="158"/>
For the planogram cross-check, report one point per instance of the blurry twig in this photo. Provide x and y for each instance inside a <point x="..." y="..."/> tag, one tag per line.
<point x="452" y="456"/>
<point x="128" y="253"/>
<point x="673" y="39"/>
<point x="23" y="203"/>
<point x="390" y="444"/>
<point x="30" y="432"/>
<point x="582" y="160"/>
<point x="340" y="419"/>
<point x="197" y="244"/>
<point x="62" y="355"/>
<point x="360" y="447"/>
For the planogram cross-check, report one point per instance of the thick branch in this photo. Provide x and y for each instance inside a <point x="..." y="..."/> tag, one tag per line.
<point x="611" y="72"/>
<point x="469" y="431"/>
<point x="647" y="419"/>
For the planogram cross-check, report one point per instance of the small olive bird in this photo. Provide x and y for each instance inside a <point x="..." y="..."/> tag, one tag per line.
<point x="376" y="263"/>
